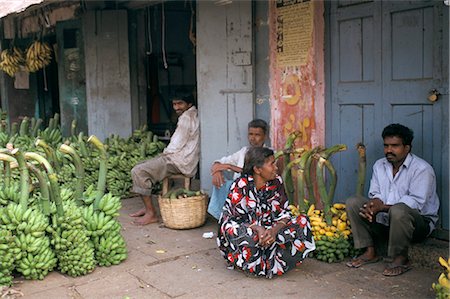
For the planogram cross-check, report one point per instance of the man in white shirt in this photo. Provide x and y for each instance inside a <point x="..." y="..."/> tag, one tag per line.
<point x="222" y="168"/>
<point x="180" y="156"/>
<point x="402" y="206"/>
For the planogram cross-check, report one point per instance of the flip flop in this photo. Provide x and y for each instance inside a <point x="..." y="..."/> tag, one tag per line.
<point x="395" y="269"/>
<point x="359" y="261"/>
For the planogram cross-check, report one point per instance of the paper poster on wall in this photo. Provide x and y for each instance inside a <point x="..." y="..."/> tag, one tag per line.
<point x="294" y="31"/>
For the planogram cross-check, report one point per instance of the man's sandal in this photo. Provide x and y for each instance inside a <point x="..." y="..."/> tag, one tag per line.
<point x="361" y="260"/>
<point x="396" y="269"/>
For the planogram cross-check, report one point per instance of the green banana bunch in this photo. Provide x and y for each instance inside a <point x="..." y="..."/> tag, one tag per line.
<point x="110" y="248"/>
<point x="9" y="194"/>
<point x="8" y="251"/>
<point x="74" y="250"/>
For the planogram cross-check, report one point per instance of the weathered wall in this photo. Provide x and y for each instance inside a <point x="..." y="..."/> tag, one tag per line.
<point x="107" y="73"/>
<point x="297" y="78"/>
<point x="261" y="50"/>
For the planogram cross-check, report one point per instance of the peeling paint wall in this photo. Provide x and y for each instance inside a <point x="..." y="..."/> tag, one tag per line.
<point x="297" y="86"/>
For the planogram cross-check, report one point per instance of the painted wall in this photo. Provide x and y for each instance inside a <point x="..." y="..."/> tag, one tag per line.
<point x="297" y="84"/>
<point x="107" y="73"/>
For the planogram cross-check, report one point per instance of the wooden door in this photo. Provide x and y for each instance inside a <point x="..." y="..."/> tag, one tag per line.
<point x="224" y="80"/>
<point x="385" y="57"/>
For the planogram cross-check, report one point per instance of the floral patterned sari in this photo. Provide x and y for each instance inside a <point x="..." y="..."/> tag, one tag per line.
<point x="247" y="205"/>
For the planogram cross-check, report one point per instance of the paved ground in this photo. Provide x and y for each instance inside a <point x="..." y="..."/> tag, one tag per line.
<point x="165" y="263"/>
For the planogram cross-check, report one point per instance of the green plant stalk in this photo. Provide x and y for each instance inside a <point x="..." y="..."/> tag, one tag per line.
<point x="44" y="200"/>
<point x="7" y="160"/>
<point x="32" y="124"/>
<point x="56" y="194"/>
<point x="287" y="173"/>
<point x="327" y="197"/>
<point x="41" y="160"/>
<point x="101" y="185"/>
<point x="73" y="128"/>
<point x="83" y="149"/>
<point x="24" y="125"/>
<point x="36" y="127"/>
<point x="24" y="178"/>
<point x="14" y="128"/>
<point x="361" y="169"/>
<point x="55" y="121"/>
<point x="49" y="153"/>
<point x="79" y="170"/>
<point x="309" y="182"/>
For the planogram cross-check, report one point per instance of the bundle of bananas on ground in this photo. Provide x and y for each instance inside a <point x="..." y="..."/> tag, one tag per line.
<point x="11" y="60"/>
<point x="38" y="56"/>
<point x="8" y="251"/>
<point x="333" y="241"/>
<point x="73" y="247"/>
<point x="35" y="258"/>
<point x="442" y="288"/>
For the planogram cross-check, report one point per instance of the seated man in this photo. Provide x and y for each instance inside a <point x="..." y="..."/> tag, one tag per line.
<point x="257" y="130"/>
<point x="402" y="206"/>
<point x="180" y="156"/>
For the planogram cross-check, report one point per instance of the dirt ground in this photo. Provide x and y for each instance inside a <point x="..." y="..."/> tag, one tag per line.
<point x="166" y="263"/>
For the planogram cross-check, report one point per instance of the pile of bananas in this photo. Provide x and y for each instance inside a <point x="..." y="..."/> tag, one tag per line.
<point x="333" y="241"/>
<point x="74" y="250"/>
<point x="11" y="60"/>
<point x="110" y="247"/>
<point x="9" y="194"/>
<point x="38" y="56"/>
<point x="8" y="251"/>
<point x="442" y="288"/>
<point x="35" y="259"/>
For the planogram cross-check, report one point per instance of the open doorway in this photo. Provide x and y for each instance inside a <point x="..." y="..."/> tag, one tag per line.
<point x="170" y="60"/>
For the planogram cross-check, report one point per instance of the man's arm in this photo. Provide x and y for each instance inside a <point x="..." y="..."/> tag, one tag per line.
<point x="228" y="163"/>
<point x="181" y="135"/>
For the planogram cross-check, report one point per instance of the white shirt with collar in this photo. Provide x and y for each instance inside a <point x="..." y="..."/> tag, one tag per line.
<point x="414" y="185"/>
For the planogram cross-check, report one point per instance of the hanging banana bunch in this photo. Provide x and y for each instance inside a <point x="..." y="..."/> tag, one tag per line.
<point x="38" y="56"/>
<point x="11" y="60"/>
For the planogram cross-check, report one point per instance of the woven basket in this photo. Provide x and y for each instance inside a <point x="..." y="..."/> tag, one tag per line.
<point x="183" y="213"/>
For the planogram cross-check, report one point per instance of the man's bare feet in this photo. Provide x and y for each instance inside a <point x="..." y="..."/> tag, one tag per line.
<point x="146" y="219"/>
<point x="139" y="213"/>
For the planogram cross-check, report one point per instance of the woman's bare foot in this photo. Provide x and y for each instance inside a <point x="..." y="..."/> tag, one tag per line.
<point x="139" y="213"/>
<point x="146" y="219"/>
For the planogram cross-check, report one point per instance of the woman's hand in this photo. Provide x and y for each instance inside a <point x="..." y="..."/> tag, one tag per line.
<point x="268" y="237"/>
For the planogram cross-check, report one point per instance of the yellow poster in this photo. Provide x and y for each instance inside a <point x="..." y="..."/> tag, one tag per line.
<point x="294" y="31"/>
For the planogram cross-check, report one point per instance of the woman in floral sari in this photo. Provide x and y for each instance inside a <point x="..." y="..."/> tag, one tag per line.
<point x="257" y="232"/>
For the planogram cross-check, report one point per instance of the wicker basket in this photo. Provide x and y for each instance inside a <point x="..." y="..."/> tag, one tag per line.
<point x="183" y="213"/>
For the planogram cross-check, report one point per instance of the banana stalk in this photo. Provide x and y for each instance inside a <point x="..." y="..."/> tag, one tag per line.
<point x="49" y="153"/>
<point x="24" y="177"/>
<point x="45" y="195"/>
<point x="361" y="168"/>
<point x="79" y="170"/>
<point x="36" y="127"/>
<point x="327" y="197"/>
<point x="101" y="185"/>
<point x="309" y="182"/>
<point x="287" y="173"/>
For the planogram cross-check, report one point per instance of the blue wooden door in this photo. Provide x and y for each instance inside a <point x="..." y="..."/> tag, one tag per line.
<point x="385" y="58"/>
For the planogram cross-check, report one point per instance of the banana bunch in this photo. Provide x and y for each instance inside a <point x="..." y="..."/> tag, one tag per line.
<point x="9" y="194"/>
<point x="70" y="239"/>
<point x="110" y="248"/>
<point x="98" y="222"/>
<point x="38" y="56"/>
<point x="52" y="137"/>
<point x="442" y="288"/>
<point x="35" y="259"/>
<point x="11" y="60"/>
<point x="8" y="251"/>
<point x="333" y="241"/>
